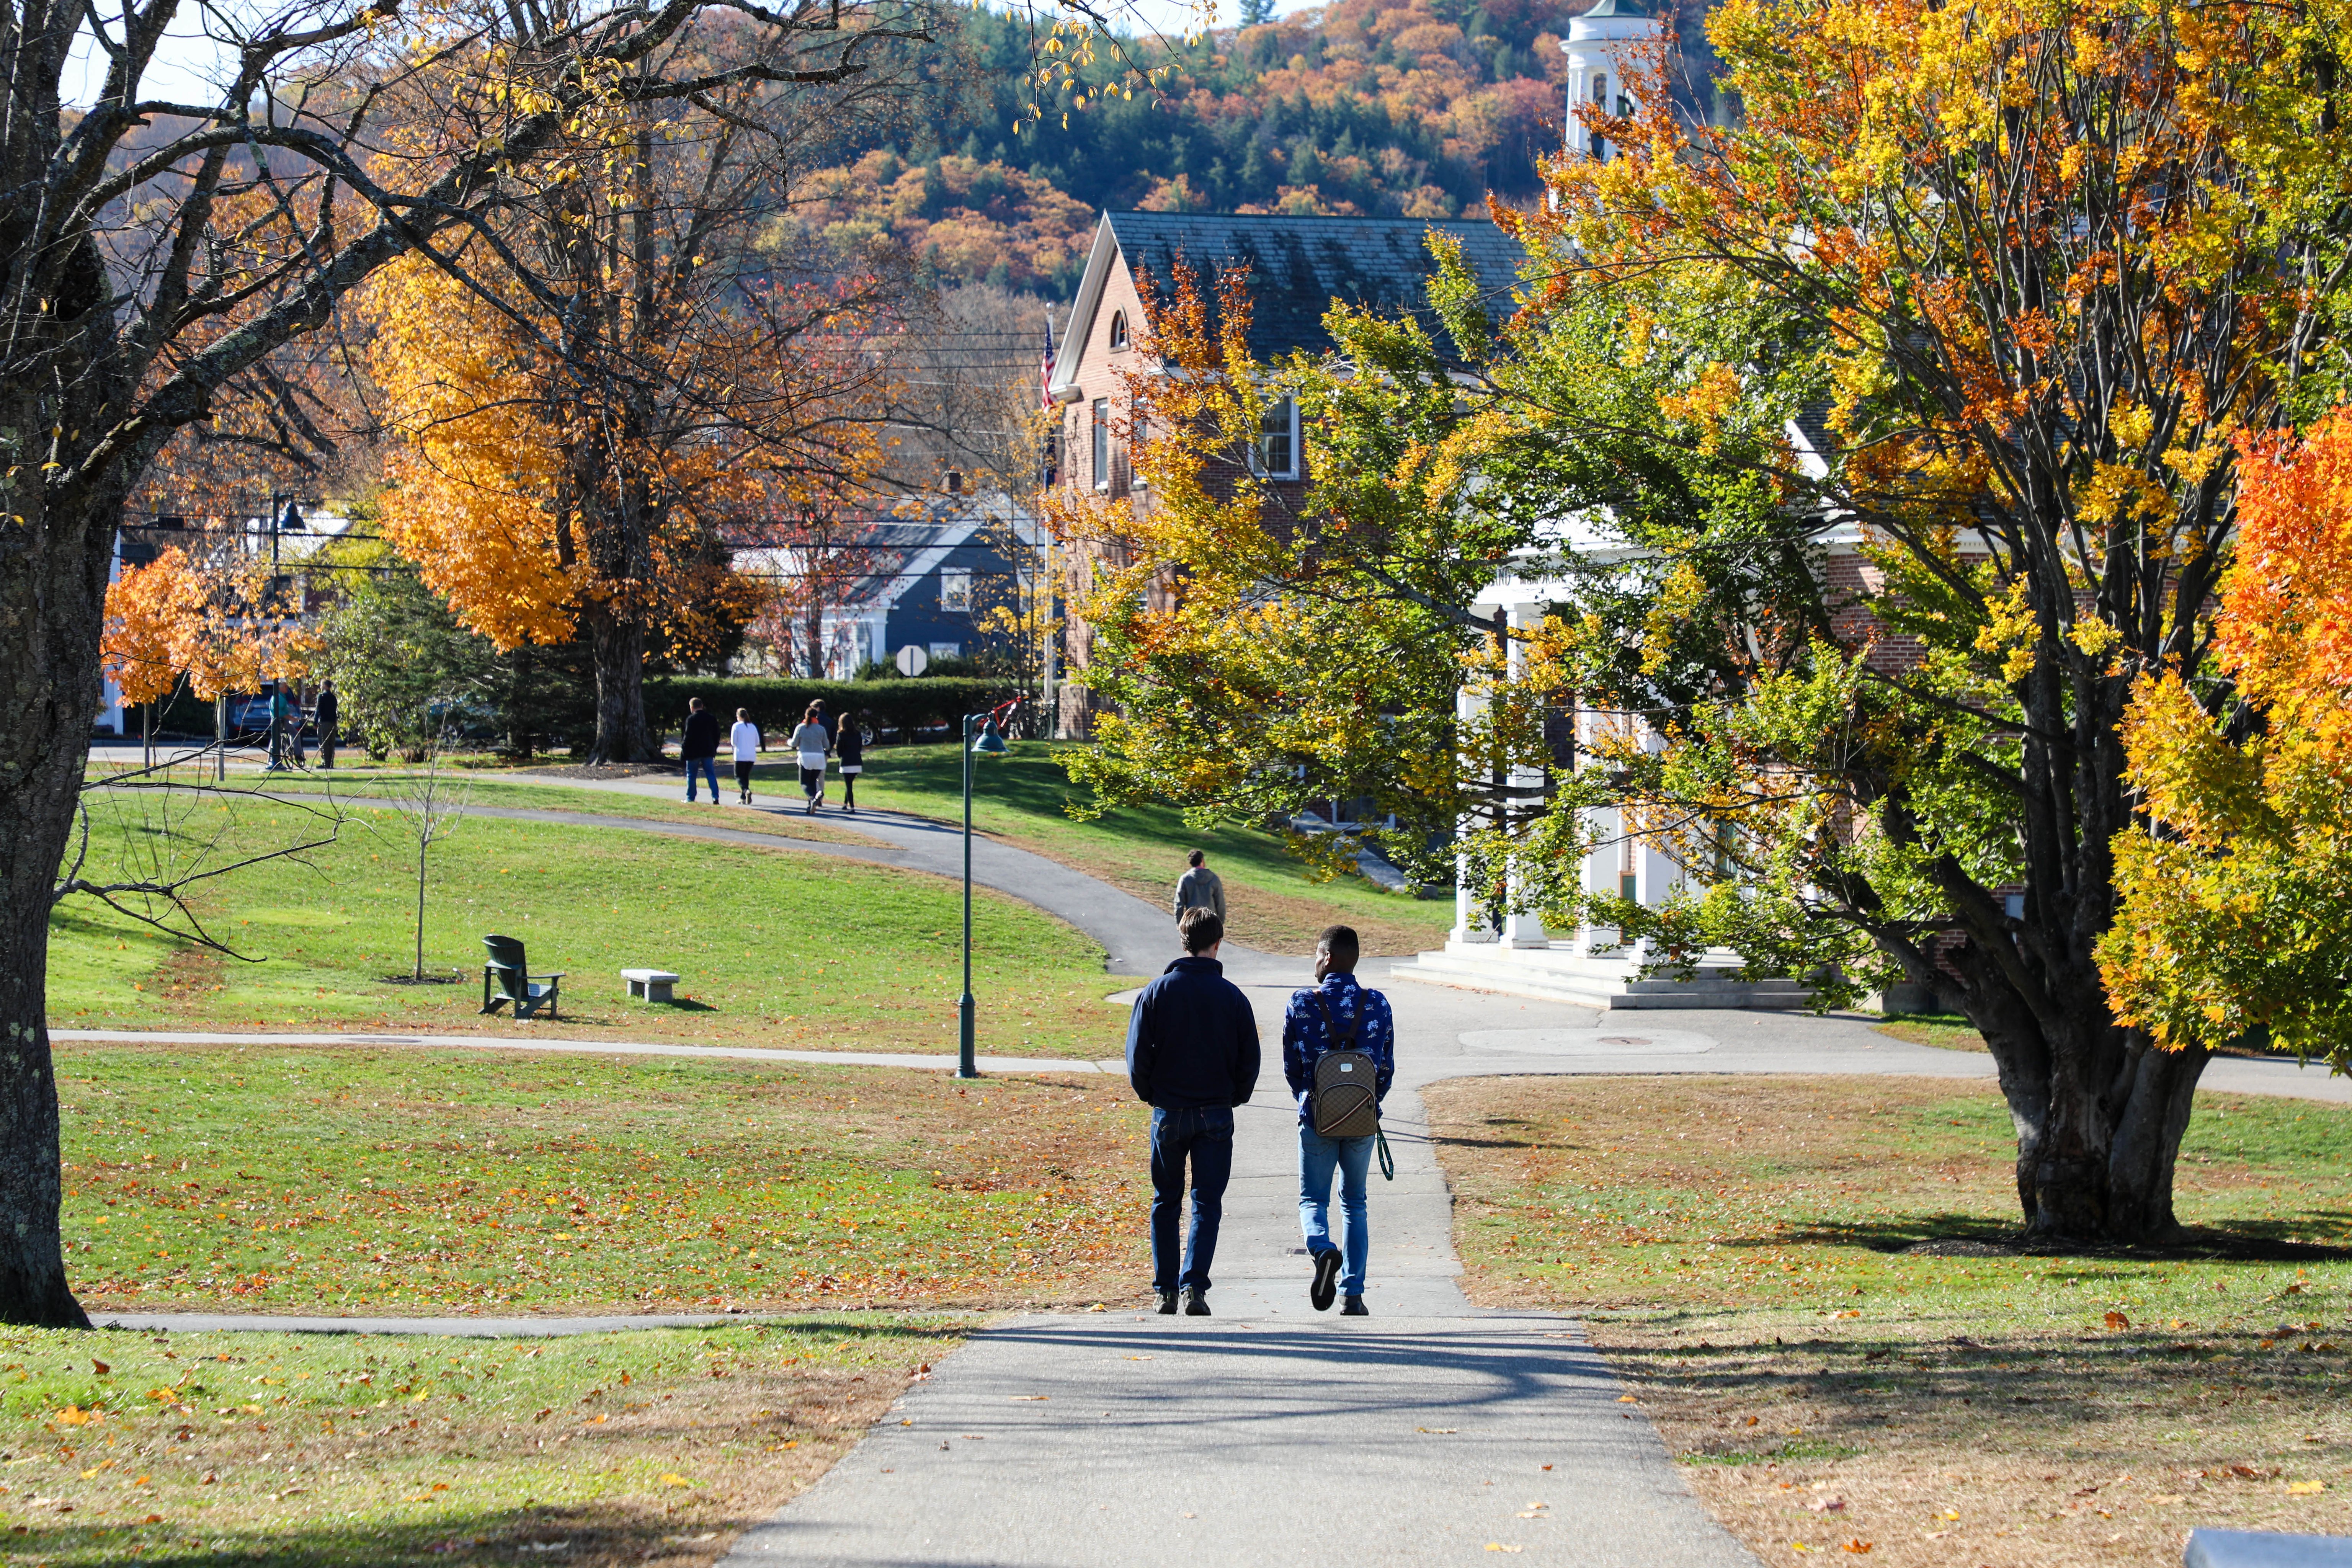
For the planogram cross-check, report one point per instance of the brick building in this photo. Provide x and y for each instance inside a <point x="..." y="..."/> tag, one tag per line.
<point x="1298" y="267"/>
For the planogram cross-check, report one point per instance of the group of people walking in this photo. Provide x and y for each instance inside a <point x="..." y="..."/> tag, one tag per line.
<point x="819" y="737"/>
<point x="1192" y="1056"/>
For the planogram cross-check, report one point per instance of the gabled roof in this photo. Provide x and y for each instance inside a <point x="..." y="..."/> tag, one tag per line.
<point x="895" y="551"/>
<point x="1297" y="266"/>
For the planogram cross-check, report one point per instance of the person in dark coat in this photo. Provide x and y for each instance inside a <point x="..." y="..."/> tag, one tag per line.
<point x="849" y="746"/>
<point x="699" y="747"/>
<point x="328" y="714"/>
<point x="1192" y="1055"/>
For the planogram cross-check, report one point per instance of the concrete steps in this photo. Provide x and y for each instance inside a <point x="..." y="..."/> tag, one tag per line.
<point x="1557" y="974"/>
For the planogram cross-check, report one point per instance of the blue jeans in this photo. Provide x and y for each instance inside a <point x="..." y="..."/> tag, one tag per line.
<point x="1204" y="1135"/>
<point x="710" y="767"/>
<point x="1353" y="1157"/>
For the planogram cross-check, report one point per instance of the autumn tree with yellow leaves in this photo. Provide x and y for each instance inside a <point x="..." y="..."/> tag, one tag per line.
<point x="1871" y="448"/>
<point x="2237" y="883"/>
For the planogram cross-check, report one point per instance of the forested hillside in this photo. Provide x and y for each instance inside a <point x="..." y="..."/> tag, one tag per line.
<point x="1411" y="107"/>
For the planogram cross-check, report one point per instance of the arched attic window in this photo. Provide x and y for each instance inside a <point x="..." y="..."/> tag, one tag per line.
<point x="1119" y="328"/>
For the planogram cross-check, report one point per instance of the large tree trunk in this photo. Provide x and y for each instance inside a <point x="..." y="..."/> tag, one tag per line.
<point x="622" y="733"/>
<point x="52" y="600"/>
<point x="2098" y="1135"/>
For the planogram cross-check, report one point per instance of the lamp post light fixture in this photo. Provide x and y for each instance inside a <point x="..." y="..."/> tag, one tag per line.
<point x="988" y="743"/>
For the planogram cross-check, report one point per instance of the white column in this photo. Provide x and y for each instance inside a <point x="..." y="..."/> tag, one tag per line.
<point x="1469" y="904"/>
<point x="1525" y="785"/>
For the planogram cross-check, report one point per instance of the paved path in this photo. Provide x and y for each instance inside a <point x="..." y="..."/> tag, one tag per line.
<point x="934" y="1061"/>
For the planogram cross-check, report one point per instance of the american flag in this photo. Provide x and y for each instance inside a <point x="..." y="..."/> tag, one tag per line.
<point x="1045" y="369"/>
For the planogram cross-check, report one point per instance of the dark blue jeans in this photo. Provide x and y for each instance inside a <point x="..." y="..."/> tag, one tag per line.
<point x="1204" y="1135"/>
<point x="710" y="767"/>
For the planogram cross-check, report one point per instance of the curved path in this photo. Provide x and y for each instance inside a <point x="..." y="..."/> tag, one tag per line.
<point x="1268" y="1432"/>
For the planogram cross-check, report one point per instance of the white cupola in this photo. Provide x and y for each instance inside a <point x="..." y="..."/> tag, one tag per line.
<point x="1602" y="44"/>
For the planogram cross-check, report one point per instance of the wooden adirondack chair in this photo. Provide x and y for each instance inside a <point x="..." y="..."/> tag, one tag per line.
<point x="511" y="974"/>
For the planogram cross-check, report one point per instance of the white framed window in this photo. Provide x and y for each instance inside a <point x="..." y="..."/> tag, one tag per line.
<point x="1101" y="413"/>
<point x="1276" y="454"/>
<point x="955" y="591"/>
<point x="1135" y="450"/>
<point x="1119" y="328"/>
<point x="947" y="650"/>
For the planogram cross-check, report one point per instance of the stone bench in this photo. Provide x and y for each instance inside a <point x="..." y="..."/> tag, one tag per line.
<point x="650" y="984"/>
<point x="2265" y="1549"/>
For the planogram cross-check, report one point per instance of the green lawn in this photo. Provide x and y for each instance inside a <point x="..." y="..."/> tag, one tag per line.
<point x="354" y="1451"/>
<point x="1814" y="1287"/>
<point x="511" y="792"/>
<point x="371" y="1179"/>
<point x="1272" y="901"/>
<point x="777" y="948"/>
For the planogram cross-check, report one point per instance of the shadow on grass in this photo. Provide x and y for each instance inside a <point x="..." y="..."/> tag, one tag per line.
<point x="1976" y="1236"/>
<point x="580" y="1537"/>
<point x="1852" y="1389"/>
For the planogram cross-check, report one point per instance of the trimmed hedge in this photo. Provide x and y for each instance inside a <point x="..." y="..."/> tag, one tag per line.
<point x="777" y="702"/>
<point x="897" y="707"/>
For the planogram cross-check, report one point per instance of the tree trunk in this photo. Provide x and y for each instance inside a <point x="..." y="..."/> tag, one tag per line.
<point x="622" y="734"/>
<point x="2096" y="1160"/>
<point x="53" y="572"/>
<point x="419" y="974"/>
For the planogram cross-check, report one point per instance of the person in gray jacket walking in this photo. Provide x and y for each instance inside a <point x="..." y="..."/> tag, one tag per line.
<point x="1199" y="889"/>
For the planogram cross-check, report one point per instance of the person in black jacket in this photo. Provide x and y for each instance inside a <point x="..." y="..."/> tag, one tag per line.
<point x="699" y="747"/>
<point x="1191" y="1054"/>
<point x="329" y="716"/>
<point x="849" y="746"/>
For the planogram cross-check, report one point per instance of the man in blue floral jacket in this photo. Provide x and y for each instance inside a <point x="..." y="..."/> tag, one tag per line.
<point x="1335" y="1014"/>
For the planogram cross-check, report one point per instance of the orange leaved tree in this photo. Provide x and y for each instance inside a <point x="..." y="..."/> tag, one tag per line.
<point x="635" y="374"/>
<point x="2236" y="888"/>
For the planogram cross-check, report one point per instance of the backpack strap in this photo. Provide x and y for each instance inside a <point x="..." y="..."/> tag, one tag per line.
<point x="1338" y="1041"/>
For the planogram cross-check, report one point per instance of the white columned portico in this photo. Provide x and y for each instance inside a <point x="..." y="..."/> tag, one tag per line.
<point x="1590" y="965"/>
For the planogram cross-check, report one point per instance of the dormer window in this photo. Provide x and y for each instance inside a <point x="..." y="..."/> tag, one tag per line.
<point x="1119" y="328"/>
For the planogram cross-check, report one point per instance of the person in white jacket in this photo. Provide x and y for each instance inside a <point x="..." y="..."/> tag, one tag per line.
<point x="812" y="742"/>
<point x="745" y="741"/>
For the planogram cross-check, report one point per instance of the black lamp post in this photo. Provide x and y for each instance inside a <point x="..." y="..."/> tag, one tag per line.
<point x="988" y="744"/>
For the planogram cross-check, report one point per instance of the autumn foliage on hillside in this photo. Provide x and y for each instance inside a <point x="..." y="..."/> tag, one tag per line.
<point x="2236" y="890"/>
<point x="1400" y="108"/>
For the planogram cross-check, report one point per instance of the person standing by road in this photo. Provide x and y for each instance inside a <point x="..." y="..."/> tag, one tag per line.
<point x="1199" y="889"/>
<point x="1193" y="1056"/>
<point x="330" y="713"/>
<point x="280" y="707"/>
<point x="849" y="746"/>
<point x="699" y="747"/>
<point x="810" y="741"/>
<point x="744" y="740"/>
<point x="1336" y="1013"/>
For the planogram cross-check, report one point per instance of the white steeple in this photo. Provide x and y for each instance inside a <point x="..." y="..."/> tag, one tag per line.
<point x="1601" y="46"/>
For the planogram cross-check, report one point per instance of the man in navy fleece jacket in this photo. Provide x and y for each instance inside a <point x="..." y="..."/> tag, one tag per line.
<point x="1191" y="1054"/>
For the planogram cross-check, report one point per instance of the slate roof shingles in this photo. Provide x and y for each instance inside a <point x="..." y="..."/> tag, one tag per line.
<point x="1297" y="266"/>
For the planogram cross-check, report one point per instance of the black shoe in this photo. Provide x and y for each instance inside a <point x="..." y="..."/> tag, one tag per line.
<point x="1354" y="1308"/>
<point x="1196" y="1303"/>
<point x="1167" y="1303"/>
<point x="1327" y="1279"/>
